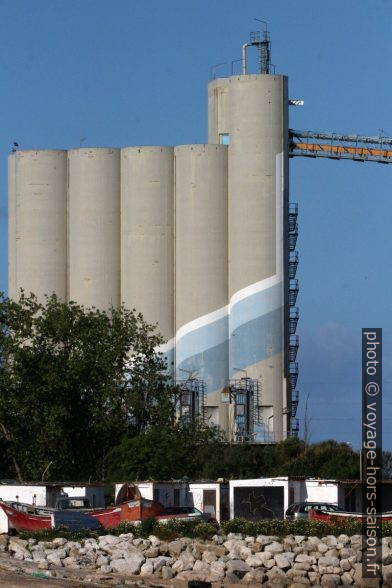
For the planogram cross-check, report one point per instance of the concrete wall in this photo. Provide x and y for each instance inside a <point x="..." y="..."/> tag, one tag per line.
<point x="201" y="278"/>
<point x="94" y="227"/>
<point x="147" y="234"/>
<point x="37" y="222"/>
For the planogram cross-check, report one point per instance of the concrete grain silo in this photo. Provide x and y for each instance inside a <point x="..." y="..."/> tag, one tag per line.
<point x="94" y="227"/>
<point x="252" y="118"/>
<point x="201" y="278"/>
<point x="147" y="236"/>
<point x="195" y="237"/>
<point x="38" y="223"/>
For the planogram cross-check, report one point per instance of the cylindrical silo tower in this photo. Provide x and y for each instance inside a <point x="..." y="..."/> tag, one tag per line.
<point x="201" y="279"/>
<point x="94" y="227"/>
<point x="252" y="118"/>
<point x="147" y="237"/>
<point x="38" y="223"/>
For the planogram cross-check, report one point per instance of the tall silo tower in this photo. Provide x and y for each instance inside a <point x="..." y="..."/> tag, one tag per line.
<point x="249" y="113"/>
<point x="37" y="213"/>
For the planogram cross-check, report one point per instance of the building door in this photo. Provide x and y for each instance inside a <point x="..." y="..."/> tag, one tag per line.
<point x="209" y="502"/>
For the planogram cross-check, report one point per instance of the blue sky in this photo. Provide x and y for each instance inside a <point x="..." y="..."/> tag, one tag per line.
<point x="131" y="72"/>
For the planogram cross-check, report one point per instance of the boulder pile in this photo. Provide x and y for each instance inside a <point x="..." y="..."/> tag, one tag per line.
<point x="294" y="561"/>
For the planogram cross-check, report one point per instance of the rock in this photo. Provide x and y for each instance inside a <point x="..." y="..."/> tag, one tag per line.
<point x="217" y="571"/>
<point x="106" y="569"/>
<point x="164" y="548"/>
<point x="238" y="567"/>
<point x="3" y="543"/>
<point x="167" y="573"/>
<point x="277" y="577"/>
<point x="322" y="547"/>
<point x="328" y="561"/>
<point x="253" y="561"/>
<point x="330" y="540"/>
<point x="105" y="540"/>
<point x="175" y="548"/>
<point x="274" y="547"/>
<point x="217" y="550"/>
<point x="282" y="561"/>
<point x="254" y="577"/>
<point x="154" y="540"/>
<point x="43" y="565"/>
<point x="152" y="552"/>
<point x="147" y="569"/>
<point x="202" y="567"/>
<point x="360" y="581"/>
<point x="60" y="541"/>
<point x="237" y="536"/>
<point x="209" y="557"/>
<point x="54" y="560"/>
<point x="190" y="575"/>
<point x="346" y="579"/>
<point x="345" y="565"/>
<point x="255" y="547"/>
<point x="331" y="553"/>
<point x="185" y="562"/>
<point x="386" y="557"/>
<point x="303" y="558"/>
<point x="266" y="539"/>
<point x="161" y="561"/>
<point x="129" y="566"/>
<point x="299" y="538"/>
<point x="302" y="566"/>
<point x="70" y="561"/>
<point x="102" y="560"/>
<point x="269" y="564"/>
<point x="136" y="542"/>
<point x="19" y="548"/>
<point x="330" y="580"/>
<point x="218" y="539"/>
<point x="233" y="544"/>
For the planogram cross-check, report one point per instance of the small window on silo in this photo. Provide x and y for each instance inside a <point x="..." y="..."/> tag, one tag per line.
<point x="224" y="139"/>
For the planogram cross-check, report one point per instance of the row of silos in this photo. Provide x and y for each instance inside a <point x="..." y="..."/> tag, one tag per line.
<point x="146" y="226"/>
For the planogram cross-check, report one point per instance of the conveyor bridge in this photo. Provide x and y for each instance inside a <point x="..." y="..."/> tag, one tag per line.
<point x="334" y="146"/>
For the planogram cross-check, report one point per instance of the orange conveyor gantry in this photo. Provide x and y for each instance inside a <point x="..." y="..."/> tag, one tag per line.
<point x="334" y="146"/>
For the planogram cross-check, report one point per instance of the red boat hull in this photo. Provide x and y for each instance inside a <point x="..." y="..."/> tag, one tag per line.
<point x="28" y="518"/>
<point x="135" y="510"/>
<point x="337" y="518"/>
<point x="25" y="521"/>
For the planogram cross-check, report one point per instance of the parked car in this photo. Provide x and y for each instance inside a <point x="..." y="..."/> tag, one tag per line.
<point x="186" y="512"/>
<point x="300" y="510"/>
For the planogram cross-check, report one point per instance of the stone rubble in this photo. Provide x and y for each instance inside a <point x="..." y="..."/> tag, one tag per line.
<point x="294" y="561"/>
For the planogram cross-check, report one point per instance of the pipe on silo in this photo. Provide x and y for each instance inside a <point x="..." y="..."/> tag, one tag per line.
<point x="201" y="278"/>
<point x="147" y="236"/>
<point x="94" y="227"/>
<point x="38" y="223"/>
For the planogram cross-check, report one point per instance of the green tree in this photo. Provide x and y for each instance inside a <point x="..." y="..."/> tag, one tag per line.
<point x="73" y="382"/>
<point x="167" y="452"/>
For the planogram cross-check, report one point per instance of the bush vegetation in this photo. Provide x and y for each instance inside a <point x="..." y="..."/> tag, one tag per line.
<point x="174" y="529"/>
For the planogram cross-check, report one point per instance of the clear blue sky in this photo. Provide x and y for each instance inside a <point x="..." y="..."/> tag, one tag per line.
<point x="126" y="72"/>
